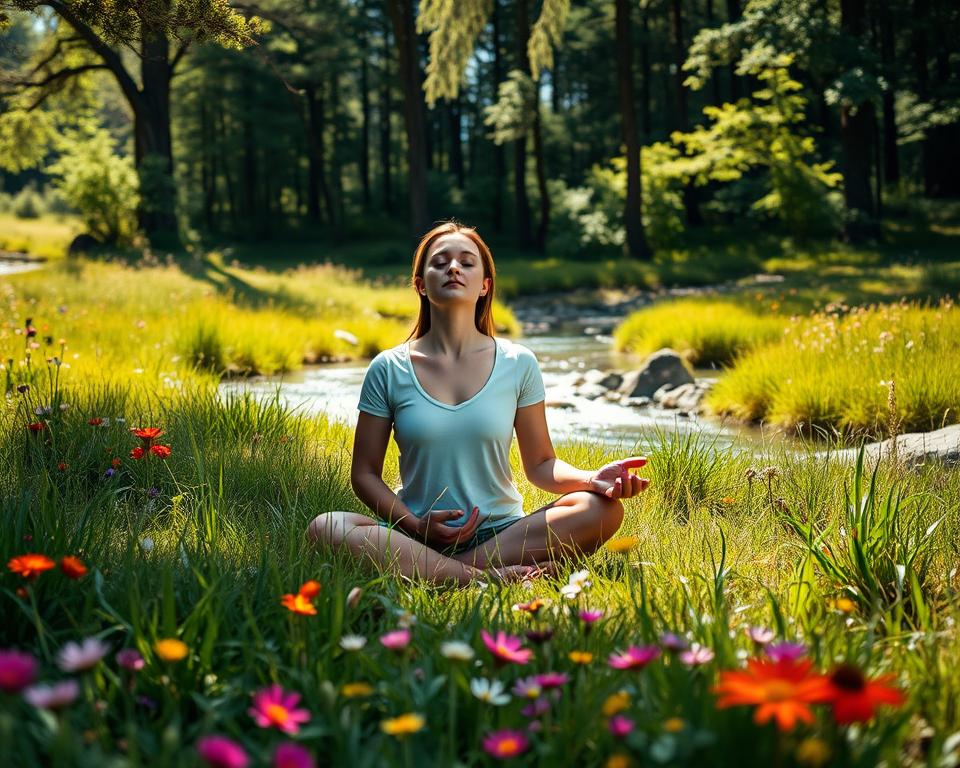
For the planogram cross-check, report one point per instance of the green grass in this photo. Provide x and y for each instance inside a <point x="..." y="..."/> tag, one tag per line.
<point x="715" y="554"/>
<point x="46" y="237"/>
<point x="706" y="332"/>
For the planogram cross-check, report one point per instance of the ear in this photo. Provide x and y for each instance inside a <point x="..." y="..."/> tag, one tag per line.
<point x="487" y="284"/>
<point x="418" y="284"/>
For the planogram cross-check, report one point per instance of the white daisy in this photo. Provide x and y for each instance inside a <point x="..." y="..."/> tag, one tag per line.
<point x="489" y="691"/>
<point x="353" y="642"/>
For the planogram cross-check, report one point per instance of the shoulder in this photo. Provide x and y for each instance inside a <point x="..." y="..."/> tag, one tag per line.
<point x="511" y="350"/>
<point x="387" y="359"/>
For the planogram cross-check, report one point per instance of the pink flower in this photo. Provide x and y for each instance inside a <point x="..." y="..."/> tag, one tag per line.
<point x="550" y="680"/>
<point x="78" y="658"/>
<point x="635" y="657"/>
<point x="506" y="648"/>
<point x="505" y="744"/>
<point x="588" y="616"/>
<point x="696" y="655"/>
<point x="760" y="635"/>
<point x="620" y="726"/>
<point x="536" y="707"/>
<point x="221" y="752"/>
<point x="130" y="659"/>
<point x="290" y="755"/>
<point x="17" y="671"/>
<point x="273" y="707"/>
<point x="54" y="696"/>
<point x="786" y="651"/>
<point x="671" y="641"/>
<point x="396" y="640"/>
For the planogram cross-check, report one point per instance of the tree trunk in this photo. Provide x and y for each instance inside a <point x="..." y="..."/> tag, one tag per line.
<point x="384" y="117"/>
<point x="690" y="193"/>
<point x="336" y="168"/>
<point x="891" y="156"/>
<point x="499" y="151"/>
<point x="522" y="204"/>
<point x="320" y="189"/>
<point x="856" y="133"/>
<point x="401" y="13"/>
<point x="365" y="127"/>
<point x="456" y="142"/>
<point x="733" y="14"/>
<point x="637" y="246"/>
<point x="541" y="167"/>
<point x="942" y="146"/>
<point x="251" y="212"/>
<point x="227" y="172"/>
<point x="647" y="74"/>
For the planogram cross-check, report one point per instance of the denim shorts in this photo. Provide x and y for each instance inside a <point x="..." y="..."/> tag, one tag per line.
<point x="479" y="537"/>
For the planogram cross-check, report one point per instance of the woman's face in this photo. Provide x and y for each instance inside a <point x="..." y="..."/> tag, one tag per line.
<point x="453" y="271"/>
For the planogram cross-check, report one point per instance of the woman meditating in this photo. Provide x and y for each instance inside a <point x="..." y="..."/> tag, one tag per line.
<point x="453" y="394"/>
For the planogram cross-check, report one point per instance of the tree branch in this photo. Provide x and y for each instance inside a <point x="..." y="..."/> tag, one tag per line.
<point x="61" y="74"/>
<point x="181" y="52"/>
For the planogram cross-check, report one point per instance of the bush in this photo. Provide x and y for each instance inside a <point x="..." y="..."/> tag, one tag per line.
<point x="27" y="204"/>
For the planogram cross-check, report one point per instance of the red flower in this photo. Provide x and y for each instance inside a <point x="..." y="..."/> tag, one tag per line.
<point x="137" y="453"/>
<point x="95" y="422"/>
<point x="298" y="603"/>
<point x="162" y="451"/>
<point x="310" y="589"/>
<point x="72" y="567"/>
<point x="855" y="698"/>
<point x="62" y="466"/>
<point x="31" y="565"/>
<point x="115" y="461"/>
<point x="148" y="435"/>
<point x="37" y="426"/>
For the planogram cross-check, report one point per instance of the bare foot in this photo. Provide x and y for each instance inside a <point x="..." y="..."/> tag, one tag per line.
<point x="513" y="573"/>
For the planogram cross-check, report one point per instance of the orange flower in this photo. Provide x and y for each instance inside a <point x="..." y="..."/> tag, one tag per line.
<point x="855" y="697"/>
<point x="115" y="462"/>
<point x="782" y="690"/>
<point x="310" y="589"/>
<point x="148" y="435"/>
<point x="298" y="603"/>
<point x="162" y="451"/>
<point x="31" y="565"/>
<point x="137" y="453"/>
<point x="72" y="567"/>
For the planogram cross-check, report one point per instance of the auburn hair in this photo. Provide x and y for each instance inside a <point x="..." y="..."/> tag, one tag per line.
<point x="483" y="315"/>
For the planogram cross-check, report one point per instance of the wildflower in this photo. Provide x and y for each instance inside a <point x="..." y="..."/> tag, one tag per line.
<point x="298" y="604"/>
<point x="635" y="657"/>
<point x="770" y="472"/>
<point x="728" y="501"/>
<point x="171" y="649"/>
<point x="617" y="760"/>
<point x="95" y="422"/>
<point x="855" y="698"/>
<point x="31" y="565"/>
<point x="115" y="462"/>
<point x="696" y="655"/>
<point x="786" y="651"/>
<point x="590" y="616"/>
<point x="396" y="640"/>
<point x="356" y="690"/>
<point x="404" y="725"/>
<point x="310" y="589"/>
<point x="147" y="435"/>
<point x="405" y="619"/>
<point x="620" y="726"/>
<point x="352" y="642"/>
<point x="110" y="472"/>
<point x="781" y="690"/>
<point x="533" y="607"/>
<point x="75" y="657"/>
<point x="760" y="635"/>
<point x="549" y="680"/>
<point x="489" y="691"/>
<point x="622" y="544"/>
<point x="62" y="466"/>
<point x="671" y="641"/>
<point x="456" y="650"/>
<point x="72" y="567"/>
<point x="221" y="752"/>
<point x="505" y="648"/>
<point x="56" y="696"/>
<point x="571" y="591"/>
<point x="290" y="755"/>
<point x="273" y="707"/>
<point x="614" y="703"/>
<point x="42" y="410"/>
<point x="37" y="426"/>
<point x="527" y="688"/>
<point x="17" y="670"/>
<point x="146" y="543"/>
<point x="505" y="744"/>
<point x="130" y="659"/>
<point x="844" y="605"/>
<point x="137" y="453"/>
<point x="536" y="708"/>
<point x="813" y="752"/>
<point x="153" y="493"/>
<point x="23" y="388"/>
<point x="539" y="636"/>
<point x="674" y="724"/>
<point x="160" y="451"/>
<point x="353" y="597"/>
<point x="580" y="657"/>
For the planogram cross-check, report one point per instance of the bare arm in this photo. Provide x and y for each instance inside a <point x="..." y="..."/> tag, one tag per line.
<point x="540" y="463"/>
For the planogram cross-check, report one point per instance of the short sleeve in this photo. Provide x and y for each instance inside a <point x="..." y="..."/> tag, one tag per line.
<point x="531" y="380"/>
<point x="374" y="396"/>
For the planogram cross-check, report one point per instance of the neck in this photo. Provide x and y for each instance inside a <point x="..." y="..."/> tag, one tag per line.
<point x="453" y="332"/>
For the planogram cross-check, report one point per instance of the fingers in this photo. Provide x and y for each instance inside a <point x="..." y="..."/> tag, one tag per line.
<point x="633" y="462"/>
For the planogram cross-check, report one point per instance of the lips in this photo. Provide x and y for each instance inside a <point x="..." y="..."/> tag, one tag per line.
<point x="452" y="282"/>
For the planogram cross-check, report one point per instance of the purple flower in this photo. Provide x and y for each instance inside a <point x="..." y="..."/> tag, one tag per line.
<point x="221" y="752"/>
<point x="536" y="708"/>
<point x="786" y="651"/>
<point x="760" y="635"/>
<point x="75" y="657"/>
<point x="671" y="641"/>
<point x="130" y="659"/>
<point x="17" y="671"/>
<point x="290" y="755"/>
<point x="110" y="472"/>
<point x="589" y="616"/>
<point x="696" y="655"/>
<point x="527" y="688"/>
<point x="153" y="493"/>
<point x="56" y="696"/>
<point x="620" y="726"/>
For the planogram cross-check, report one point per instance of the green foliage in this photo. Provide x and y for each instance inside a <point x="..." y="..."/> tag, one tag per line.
<point x="25" y="138"/>
<point x="97" y="183"/>
<point x="511" y="116"/>
<point x="27" y="203"/>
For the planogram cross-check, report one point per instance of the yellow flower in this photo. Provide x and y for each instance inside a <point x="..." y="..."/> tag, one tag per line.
<point x="581" y="657"/>
<point x="171" y="649"/>
<point x="618" y="760"/>
<point x="403" y="725"/>
<point x="844" y="605"/>
<point x="728" y="500"/>
<point x="622" y="544"/>
<point x="356" y="690"/>
<point x="813" y="752"/>
<point x="616" y="702"/>
<point x="673" y="725"/>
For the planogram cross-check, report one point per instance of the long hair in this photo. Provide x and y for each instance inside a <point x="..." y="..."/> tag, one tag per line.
<point x="483" y="315"/>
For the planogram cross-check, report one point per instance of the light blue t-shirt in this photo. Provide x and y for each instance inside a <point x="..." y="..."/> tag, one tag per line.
<point x="455" y="456"/>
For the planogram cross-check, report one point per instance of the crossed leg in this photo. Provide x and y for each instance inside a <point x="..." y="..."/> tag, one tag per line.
<point x="576" y="523"/>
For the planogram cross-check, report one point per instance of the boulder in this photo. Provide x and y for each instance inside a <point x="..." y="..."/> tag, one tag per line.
<point x="663" y="367"/>
<point x="606" y="379"/>
<point x="83" y="243"/>
<point x="942" y="445"/>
